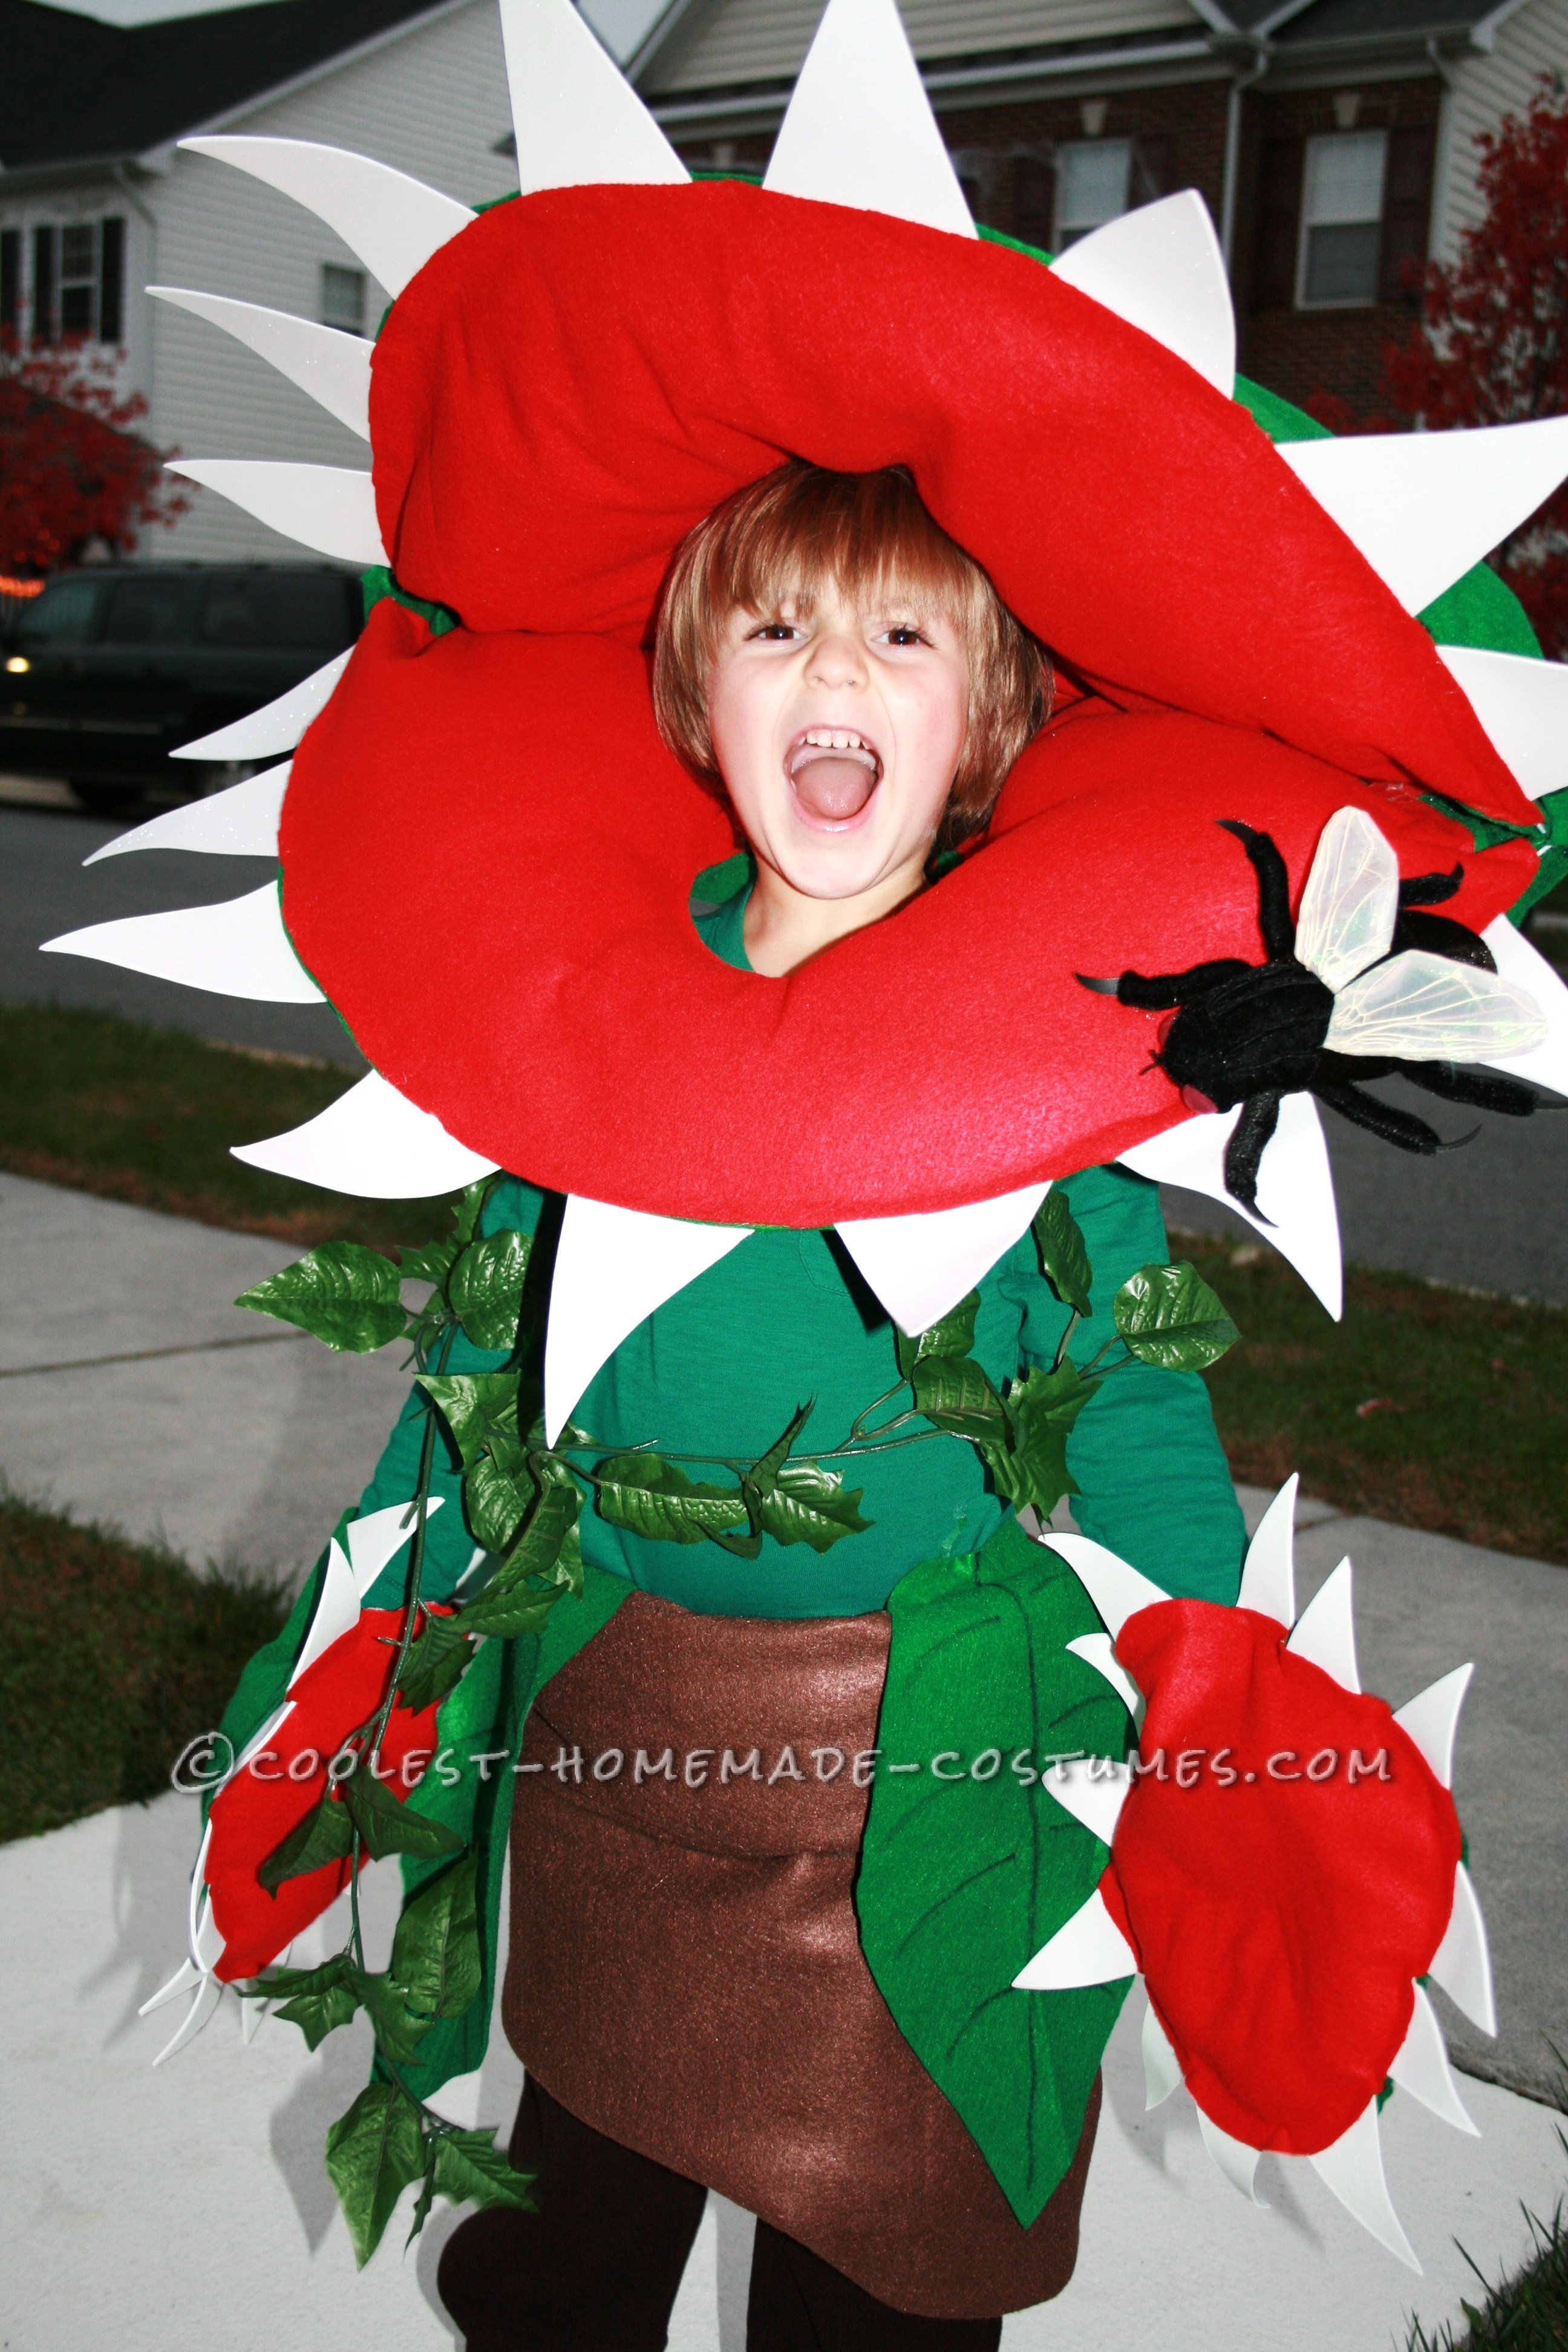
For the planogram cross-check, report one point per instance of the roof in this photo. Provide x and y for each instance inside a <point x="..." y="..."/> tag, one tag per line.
<point x="76" y="91"/>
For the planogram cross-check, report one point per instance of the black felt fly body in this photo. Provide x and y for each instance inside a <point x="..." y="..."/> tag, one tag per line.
<point x="1252" y="1034"/>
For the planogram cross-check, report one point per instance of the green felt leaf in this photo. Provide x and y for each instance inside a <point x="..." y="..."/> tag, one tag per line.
<point x="386" y="1827"/>
<point x="955" y="1394"/>
<point x="1041" y="1411"/>
<point x="1168" y="1315"/>
<point x="471" y="2170"/>
<point x="326" y="1834"/>
<point x="486" y="1288"/>
<point x="436" y="1960"/>
<point x="476" y="1407"/>
<point x="342" y="1294"/>
<point x="811" y="1506"/>
<point x="374" y="2153"/>
<point x="1064" y="1255"/>
<point x="656" y="1499"/>
<point x="952" y="1336"/>
<point x="436" y="1663"/>
<point x="963" y="1880"/>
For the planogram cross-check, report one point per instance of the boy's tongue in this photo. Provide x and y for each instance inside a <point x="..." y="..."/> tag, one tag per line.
<point x="832" y="785"/>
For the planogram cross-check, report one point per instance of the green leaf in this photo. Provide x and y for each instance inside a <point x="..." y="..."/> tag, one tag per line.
<point x="386" y="1827"/>
<point x="495" y="1504"/>
<point x="952" y="1336"/>
<point x="470" y="2170"/>
<point x="955" y="1394"/>
<point x="476" y="1407"/>
<point x="809" y="1505"/>
<point x="1041" y="1411"/>
<point x="315" y="1999"/>
<point x="1064" y="1259"/>
<point x="486" y="1288"/>
<point x="326" y="1834"/>
<point x="435" y="1960"/>
<point x="426" y="2196"/>
<point x="656" y="1499"/>
<point x="763" y="1474"/>
<point x="399" y="2029"/>
<point x="1168" y="1315"/>
<point x="518" y="1599"/>
<point x="342" y="1293"/>
<point x="568" y="1569"/>
<point x="374" y="2153"/>
<point x="436" y="1663"/>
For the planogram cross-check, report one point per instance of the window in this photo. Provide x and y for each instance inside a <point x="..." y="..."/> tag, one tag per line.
<point x="343" y="298"/>
<point x="78" y="278"/>
<point x="10" y="282"/>
<point x="1341" y="219"/>
<point x="314" y="611"/>
<point x="1093" y="182"/>
<point x="65" y="614"/>
<point x="78" y="282"/>
<point x="154" y="609"/>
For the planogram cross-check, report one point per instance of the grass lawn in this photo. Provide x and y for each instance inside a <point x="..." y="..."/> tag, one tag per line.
<point x="1527" y="2314"/>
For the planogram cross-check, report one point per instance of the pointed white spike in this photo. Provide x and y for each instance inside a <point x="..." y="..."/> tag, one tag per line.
<point x="336" y="1613"/>
<point x="196" y="1901"/>
<point x="208" y="1943"/>
<point x="1353" y="2168"/>
<point x="1162" y="2067"/>
<point x="1235" y="2158"/>
<point x="1095" y="1798"/>
<point x="1462" y="1963"/>
<point x="922" y="1266"/>
<point x="1523" y="706"/>
<point x="259" y="1739"/>
<point x="375" y="1541"/>
<point x="614" y="1268"/>
<point x="328" y="507"/>
<point x="1117" y="1591"/>
<point x="860" y="129"/>
<point x="1351" y="902"/>
<point x="207" y="1995"/>
<point x="1089" y="1949"/>
<point x="1268" y="1578"/>
<point x="277" y="726"/>
<point x="393" y="223"/>
<point x="241" y="822"/>
<point x="578" y="122"/>
<point x="237" y="948"/>
<point x="185" y="1978"/>
<point x="1432" y="1718"/>
<point x="1423" y="508"/>
<point x="372" y="1142"/>
<point x="1526" y="968"/>
<point x="332" y="367"/>
<point x="1096" y="1650"/>
<point x="1422" y="2068"/>
<point x="1296" y="1211"/>
<point x="1324" y="1633"/>
<point x="1160" y="268"/>
<point x="1429" y="1009"/>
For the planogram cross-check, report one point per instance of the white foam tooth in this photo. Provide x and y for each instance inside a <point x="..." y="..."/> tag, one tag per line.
<point x="613" y="1269"/>
<point x="372" y="1142"/>
<point x="1117" y="1591"/>
<point x="1351" y="901"/>
<point x="1096" y="1650"/>
<point x="1353" y="2168"/>
<point x="1235" y="2158"/>
<point x="1324" y="1633"/>
<point x="578" y="122"/>
<point x="1162" y="2067"/>
<point x="186" y="1977"/>
<point x="259" y="1738"/>
<point x="1160" y="268"/>
<point x="197" y="1900"/>
<point x="860" y="129"/>
<point x="336" y="1613"/>
<point x="1525" y="968"/>
<point x="277" y="726"/>
<point x="204" y="2004"/>
<point x="1424" y="508"/>
<point x="1296" y="1212"/>
<point x="1094" y="1799"/>
<point x="1422" y="2068"/>
<point x="1426" y="1008"/>
<point x="920" y="1266"/>
<point x="1089" y="1949"/>
<point x="241" y="821"/>
<point x="236" y="947"/>
<point x="1523" y="706"/>
<point x="1269" y="1577"/>
<point x="330" y="509"/>
<point x="392" y="222"/>
<point x="375" y="1541"/>
<point x="1462" y="1962"/>
<point x="332" y="367"/>
<point x="1432" y="1719"/>
<point x="208" y="1944"/>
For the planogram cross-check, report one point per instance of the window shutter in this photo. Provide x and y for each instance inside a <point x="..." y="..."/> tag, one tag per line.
<point x="111" y="281"/>
<point x="1278" y="223"/>
<point x="1406" y="211"/>
<point x="44" y="285"/>
<point x="10" y="282"/>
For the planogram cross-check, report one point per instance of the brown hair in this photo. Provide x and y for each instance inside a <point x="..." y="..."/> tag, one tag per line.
<point x="781" y="538"/>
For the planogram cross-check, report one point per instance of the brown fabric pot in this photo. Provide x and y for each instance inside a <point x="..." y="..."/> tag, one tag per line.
<point x="685" y="1971"/>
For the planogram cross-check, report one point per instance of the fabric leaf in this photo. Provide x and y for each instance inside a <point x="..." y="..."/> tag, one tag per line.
<point x="386" y="1827"/>
<point x="656" y="1499"/>
<point x="476" y="1408"/>
<point x="435" y="1962"/>
<point x="1168" y="1315"/>
<point x="317" y="2000"/>
<point x="373" y="2152"/>
<point x="513" y="1602"/>
<point x="494" y="1504"/>
<point x="486" y="1288"/>
<point x="1032" y="1469"/>
<point x="435" y="1665"/>
<point x="471" y="2170"/>
<point x="1064" y="1256"/>
<point x="953" y="1393"/>
<point x="326" y="1834"/>
<point x="811" y="1506"/>
<point x="344" y="1294"/>
<point x="953" y="1335"/>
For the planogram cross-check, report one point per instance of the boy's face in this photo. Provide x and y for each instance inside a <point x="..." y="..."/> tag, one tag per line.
<point x="838" y="737"/>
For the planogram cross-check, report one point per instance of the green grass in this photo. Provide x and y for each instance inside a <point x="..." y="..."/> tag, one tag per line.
<point x="115" y="1657"/>
<point x="1528" y="2313"/>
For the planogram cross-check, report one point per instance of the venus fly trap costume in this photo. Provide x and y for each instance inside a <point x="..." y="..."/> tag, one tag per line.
<point x="734" y="1402"/>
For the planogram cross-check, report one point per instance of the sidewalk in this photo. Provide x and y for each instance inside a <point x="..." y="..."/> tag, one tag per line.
<point x="174" y="2210"/>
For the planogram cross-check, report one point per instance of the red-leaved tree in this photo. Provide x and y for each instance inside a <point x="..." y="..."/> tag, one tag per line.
<point x="72" y="469"/>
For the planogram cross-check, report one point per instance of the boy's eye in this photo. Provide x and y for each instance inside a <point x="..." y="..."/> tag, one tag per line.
<point x="774" y="633"/>
<point x="905" y="634"/>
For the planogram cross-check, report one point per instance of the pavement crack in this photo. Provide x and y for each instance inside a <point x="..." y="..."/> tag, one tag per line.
<point x="150" y="1355"/>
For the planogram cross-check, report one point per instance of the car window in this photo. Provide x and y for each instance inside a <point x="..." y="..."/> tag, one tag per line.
<point x="309" y="612"/>
<point x="65" y="614"/>
<point x="152" y="610"/>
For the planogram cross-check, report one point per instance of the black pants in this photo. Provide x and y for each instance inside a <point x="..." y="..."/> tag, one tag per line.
<point x="598" y="2268"/>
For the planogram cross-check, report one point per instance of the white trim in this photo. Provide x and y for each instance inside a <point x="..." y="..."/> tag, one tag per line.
<point x="1484" y="35"/>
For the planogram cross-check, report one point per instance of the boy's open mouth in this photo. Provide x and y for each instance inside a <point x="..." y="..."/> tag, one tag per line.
<point x="834" y="772"/>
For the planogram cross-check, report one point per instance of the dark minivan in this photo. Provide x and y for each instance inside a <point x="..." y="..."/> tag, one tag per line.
<point x="111" y="669"/>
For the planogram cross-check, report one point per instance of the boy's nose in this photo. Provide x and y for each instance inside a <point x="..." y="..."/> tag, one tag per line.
<point x="837" y="660"/>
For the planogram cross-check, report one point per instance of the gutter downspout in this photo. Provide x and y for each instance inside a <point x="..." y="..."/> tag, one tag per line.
<point x="1240" y="83"/>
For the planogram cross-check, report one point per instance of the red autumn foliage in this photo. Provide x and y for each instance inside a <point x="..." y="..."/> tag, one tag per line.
<point x="72" y="467"/>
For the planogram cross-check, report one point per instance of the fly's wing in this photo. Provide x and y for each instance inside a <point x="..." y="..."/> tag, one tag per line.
<point x="1351" y="902"/>
<point x="1422" y="1008"/>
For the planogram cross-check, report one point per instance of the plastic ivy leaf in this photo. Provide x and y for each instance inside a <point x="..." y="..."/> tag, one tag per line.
<point x="656" y="1499"/>
<point x="952" y="1336"/>
<point x="435" y="1665"/>
<point x="514" y="1601"/>
<point x="398" y="2028"/>
<point x="1064" y="1259"/>
<point x="495" y="1504"/>
<point x="809" y="1505"/>
<point x="342" y="1294"/>
<point x="762" y="1475"/>
<point x="1041" y="1411"/>
<point x="374" y="2153"/>
<point x="386" y="1827"/>
<point x="470" y="2170"/>
<point x="317" y="2000"/>
<point x="326" y="1834"/>
<point x="436" y="1960"/>
<point x="955" y="1394"/>
<point x="479" y="1408"/>
<point x="433" y="1261"/>
<point x="486" y="1288"/>
<point x="1168" y="1315"/>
